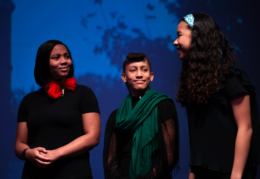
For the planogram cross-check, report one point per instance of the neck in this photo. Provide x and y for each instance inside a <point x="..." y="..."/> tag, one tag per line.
<point x="60" y="82"/>
<point x="138" y="92"/>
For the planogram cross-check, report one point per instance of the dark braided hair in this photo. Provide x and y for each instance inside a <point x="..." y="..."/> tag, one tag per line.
<point x="210" y="51"/>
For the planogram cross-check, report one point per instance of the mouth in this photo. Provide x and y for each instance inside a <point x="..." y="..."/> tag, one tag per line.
<point x="139" y="81"/>
<point x="64" y="69"/>
<point x="179" y="51"/>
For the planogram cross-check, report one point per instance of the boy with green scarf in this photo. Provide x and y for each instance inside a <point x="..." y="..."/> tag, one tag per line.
<point x="141" y="139"/>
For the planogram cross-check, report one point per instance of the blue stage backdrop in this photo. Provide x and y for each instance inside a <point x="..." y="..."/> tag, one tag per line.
<point x="99" y="34"/>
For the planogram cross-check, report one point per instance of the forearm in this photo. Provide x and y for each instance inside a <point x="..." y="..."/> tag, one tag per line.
<point x="242" y="146"/>
<point x="82" y="144"/>
<point x="78" y="146"/>
<point x="19" y="148"/>
<point x="191" y="175"/>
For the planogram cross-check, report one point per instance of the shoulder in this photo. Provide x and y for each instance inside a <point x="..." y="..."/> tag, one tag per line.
<point x="84" y="91"/>
<point x="87" y="98"/>
<point x="235" y="81"/>
<point x="166" y="104"/>
<point x="83" y="88"/>
<point x="27" y="102"/>
<point x="167" y="101"/>
<point x="113" y="114"/>
<point x="235" y="73"/>
<point x="33" y="96"/>
<point x="167" y="110"/>
<point x="111" y="119"/>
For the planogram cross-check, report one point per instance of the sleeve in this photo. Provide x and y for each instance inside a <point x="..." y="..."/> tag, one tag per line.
<point x="237" y="82"/>
<point x="89" y="101"/>
<point x="110" y="151"/>
<point x="22" y="112"/>
<point x="234" y="83"/>
<point x="234" y="87"/>
<point x="167" y="157"/>
<point x="169" y="133"/>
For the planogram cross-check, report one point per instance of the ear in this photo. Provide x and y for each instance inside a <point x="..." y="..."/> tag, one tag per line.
<point x="123" y="76"/>
<point x="151" y="76"/>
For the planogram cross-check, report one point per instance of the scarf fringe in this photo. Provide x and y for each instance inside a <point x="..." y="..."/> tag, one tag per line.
<point x="155" y="146"/>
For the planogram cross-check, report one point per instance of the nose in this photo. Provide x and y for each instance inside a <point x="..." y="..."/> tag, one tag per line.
<point x="175" y="43"/>
<point x="63" y="59"/>
<point x="139" y="74"/>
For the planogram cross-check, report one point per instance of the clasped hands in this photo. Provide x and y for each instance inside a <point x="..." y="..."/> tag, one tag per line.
<point x="41" y="157"/>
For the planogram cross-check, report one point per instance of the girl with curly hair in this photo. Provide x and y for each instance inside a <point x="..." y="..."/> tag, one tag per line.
<point x="220" y="101"/>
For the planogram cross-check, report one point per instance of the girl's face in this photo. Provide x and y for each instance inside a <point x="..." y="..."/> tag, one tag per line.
<point x="183" y="41"/>
<point x="60" y="62"/>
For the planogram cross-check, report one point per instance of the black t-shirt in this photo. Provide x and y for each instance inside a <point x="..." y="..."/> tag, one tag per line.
<point x="53" y="123"/>
<point x="212" y="127"/>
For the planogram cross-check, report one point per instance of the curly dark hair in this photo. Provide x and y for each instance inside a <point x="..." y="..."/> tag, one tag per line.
<point x="210" y="52"/>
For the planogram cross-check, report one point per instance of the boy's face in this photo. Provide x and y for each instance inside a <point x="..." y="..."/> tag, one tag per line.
<point x="137" y="75"/>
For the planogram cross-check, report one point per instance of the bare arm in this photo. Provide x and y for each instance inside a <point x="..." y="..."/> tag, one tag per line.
<point x="33" y="155"/>
<point x="242" y="115"/>
<point x="21" y="139"/>
<point x="191" y="175"/>
<point x="84" y="143"/>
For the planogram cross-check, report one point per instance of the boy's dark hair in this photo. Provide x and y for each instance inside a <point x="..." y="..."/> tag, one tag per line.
<point x="136" y="57"/>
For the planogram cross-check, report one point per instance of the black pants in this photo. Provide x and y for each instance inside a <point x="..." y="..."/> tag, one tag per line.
<point x="202" y="173"/>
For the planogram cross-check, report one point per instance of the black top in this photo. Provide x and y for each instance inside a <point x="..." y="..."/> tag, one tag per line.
<point x="212" y="127"/>
<point x="53" y="123"/>
<point x="118" y="146"/>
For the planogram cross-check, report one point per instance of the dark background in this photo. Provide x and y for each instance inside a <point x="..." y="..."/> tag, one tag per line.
<point x="99" y="34"/>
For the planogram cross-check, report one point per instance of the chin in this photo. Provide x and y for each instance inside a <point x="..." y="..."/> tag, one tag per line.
<point x="183" y="58"/>
<point x="141" y="89"/>
<point x="64" y="75"/>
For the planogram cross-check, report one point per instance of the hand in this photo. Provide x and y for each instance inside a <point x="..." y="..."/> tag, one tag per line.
<point x="53" y="155"/>
<point x="235" y="176"/>
<point x="35" y="157"/>
<point x="191" y="175"/>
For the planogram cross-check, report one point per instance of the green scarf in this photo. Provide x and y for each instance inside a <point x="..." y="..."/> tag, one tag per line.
<point x="143" y="120"/>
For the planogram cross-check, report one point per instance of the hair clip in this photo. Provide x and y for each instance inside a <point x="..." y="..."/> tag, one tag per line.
<point x="189" y="19"/>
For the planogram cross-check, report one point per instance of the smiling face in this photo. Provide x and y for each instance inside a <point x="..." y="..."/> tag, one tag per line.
<point x="60" y="62"/>
<point x="183" y="41"/>
<point x="137" y="75"/>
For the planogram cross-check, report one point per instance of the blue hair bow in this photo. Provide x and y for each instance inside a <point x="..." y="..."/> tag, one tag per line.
<point x="189" y="19"/>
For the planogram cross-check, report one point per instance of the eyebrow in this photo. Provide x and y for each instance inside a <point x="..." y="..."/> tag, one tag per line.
<point x="136" y="66"/>
<point x="67" y="53"/>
